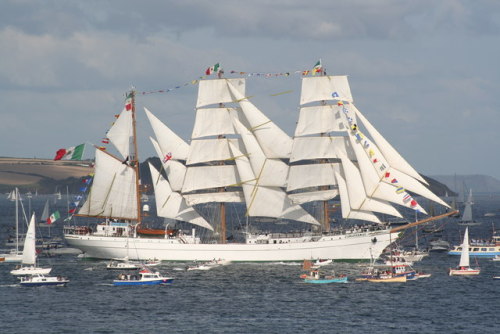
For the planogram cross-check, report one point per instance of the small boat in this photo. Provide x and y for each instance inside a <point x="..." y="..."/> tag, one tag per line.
<point x="496" y="258"/>
<point x="481" y="248"/>
<point x="316" y="277"/>
<point x="144" y="277"/>
<point x="152" y="262"/>
<point x="423" y="275"/>
<point x="122" y="264"/>
<point x="464" y="268"/>
<point x="207" y="265"/>
<point x="41" y="280"/>
<point x="388" y="273"/>
<point x="439" y="245"/>
<point x="28" y="263"/>
<point x="467" y="218"/>
<point x="322" y="262"/>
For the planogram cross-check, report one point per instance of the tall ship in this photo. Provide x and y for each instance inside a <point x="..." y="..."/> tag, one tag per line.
<point x="238" y="157"/>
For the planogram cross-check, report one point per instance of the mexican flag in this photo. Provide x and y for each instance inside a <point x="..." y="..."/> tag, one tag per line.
<point x="213" y="69"/>
<point x="318" y="68"/>
<point x="53" y="217"/>
<point x="71" y="153"/>
<point x="128" y="102"/>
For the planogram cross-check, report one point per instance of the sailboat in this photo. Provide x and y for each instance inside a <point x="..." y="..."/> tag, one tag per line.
<point x="28" y="262"/>
<point x="467" y="215"/>
<point x="14" y="255"/>
<point x="464" y="267"/>
<point x="238" y="157"/>
<point x="45" y="215"/>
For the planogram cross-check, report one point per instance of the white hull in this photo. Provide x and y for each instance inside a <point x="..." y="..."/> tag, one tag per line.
<point x="354" y="246"/>
<point x="30" y="271"/>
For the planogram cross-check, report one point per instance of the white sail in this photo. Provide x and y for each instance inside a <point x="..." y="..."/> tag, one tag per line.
<point x="45" y="213"/>
<point x="319" y="119"/>
<point x="170" y="204"/>
<point x="113" y="191"/>
<point x="309" y="148"/>
<point x="374" y="184"/>
<point x="392" y="156"/>
<point x="325" y="88"/>
<point x="310" y="196"/>
<point x="29" y="250"/>
<point x="217" y="91"/>
<point x="357" y="196"/>
<point x="386" y="173"/>
<point x="347" y="211"/>
<point x="270" y="172"/>
<point x="121" y="133"/>
<point x="273" y="141"/>
<point x="313" y="175"/>
<point x="169" y="141"/>
<point x="207" y="150"/>
<point x="464" y="255"/>
<point x="213" y="121"/>
<point x="215" y="197"/>
<point x="175" y="170"/>
<point x="206" y="177"/>
<point x="467" y="215"/>
<point x="266" y="201"/>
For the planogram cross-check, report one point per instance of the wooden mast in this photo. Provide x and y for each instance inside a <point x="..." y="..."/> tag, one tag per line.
<point x="134" y="161"/>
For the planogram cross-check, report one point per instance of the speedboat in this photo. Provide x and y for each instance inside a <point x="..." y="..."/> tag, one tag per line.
<point x="322" y="262"/>
<point x="41" y="280"/>
<point x="144" y="277"/>
<point x="208" y="265"/>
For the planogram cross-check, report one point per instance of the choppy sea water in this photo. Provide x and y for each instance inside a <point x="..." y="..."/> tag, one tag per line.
<point x="254" y="298"/>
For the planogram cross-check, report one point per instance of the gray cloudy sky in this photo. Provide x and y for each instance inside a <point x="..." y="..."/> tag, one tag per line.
<point x="425" y="72"/>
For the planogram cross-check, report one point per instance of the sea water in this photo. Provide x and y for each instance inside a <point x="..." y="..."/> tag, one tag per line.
<point x="251" y="297"/>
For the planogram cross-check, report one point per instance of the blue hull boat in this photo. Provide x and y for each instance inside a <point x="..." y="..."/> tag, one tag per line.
<point x="145" y="277"/>
<point x="326" y="281"/>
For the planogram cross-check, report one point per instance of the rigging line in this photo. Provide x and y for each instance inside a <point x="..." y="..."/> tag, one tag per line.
<point x="107" y="195"/>
<point x="165" y="203"/>
<point x="257" y="126"/>
<point x="255" y="188"/>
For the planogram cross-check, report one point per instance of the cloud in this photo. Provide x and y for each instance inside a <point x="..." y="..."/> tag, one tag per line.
<point x="279" y="19"/>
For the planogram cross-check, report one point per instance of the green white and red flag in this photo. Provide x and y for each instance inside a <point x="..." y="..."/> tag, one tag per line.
<point x="213" y="69"/>
<point x="53" y="217"/>
<point x="70" y="153"/>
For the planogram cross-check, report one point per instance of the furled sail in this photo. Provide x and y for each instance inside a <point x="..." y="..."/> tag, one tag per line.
<point x="170" y="204"/>
<point x="113" y="190"/>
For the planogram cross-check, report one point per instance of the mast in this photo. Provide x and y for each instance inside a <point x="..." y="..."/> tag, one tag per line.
<point x="134" y="160"/>
<point x="17" y="221"/>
